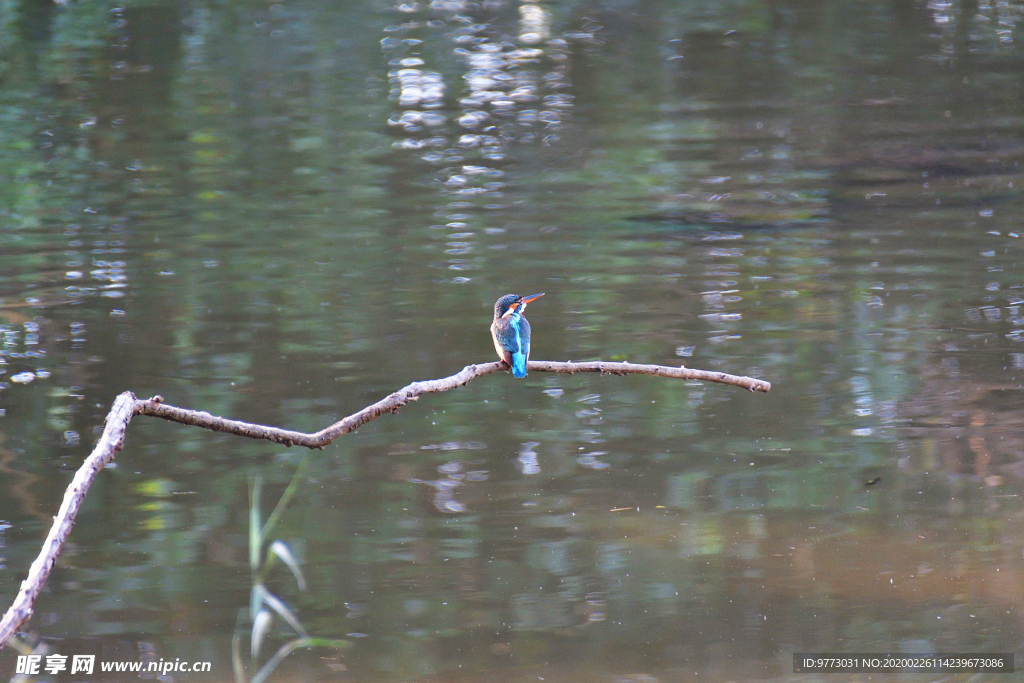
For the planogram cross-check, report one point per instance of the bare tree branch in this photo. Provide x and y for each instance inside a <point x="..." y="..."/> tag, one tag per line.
<point x="126" y="406"/>
<point x="391" y="403"/>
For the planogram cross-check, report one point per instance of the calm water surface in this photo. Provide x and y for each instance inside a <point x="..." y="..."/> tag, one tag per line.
<point x="280" y="213"/>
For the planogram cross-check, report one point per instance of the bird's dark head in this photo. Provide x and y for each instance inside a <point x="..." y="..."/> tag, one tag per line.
<point x="509" y="303"/>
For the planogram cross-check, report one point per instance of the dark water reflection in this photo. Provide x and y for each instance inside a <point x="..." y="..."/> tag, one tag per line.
<point x="280" y="213"/>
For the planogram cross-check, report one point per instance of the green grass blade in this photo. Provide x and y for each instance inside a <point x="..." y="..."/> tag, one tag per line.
<point x="329" y="642"/>
<point x="236" y="658"/>
<point x="290" y="647"/>
<point x="275" y="603"/>
<point x="281" y="550"/>
<point x="282" y="505"/>
<point x="260" y="628"/>
<point x="255" y="528"/>
<point x="285" y="650"/>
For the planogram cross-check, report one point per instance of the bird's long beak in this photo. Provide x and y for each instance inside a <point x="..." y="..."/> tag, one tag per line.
<point x="528" y="299"/>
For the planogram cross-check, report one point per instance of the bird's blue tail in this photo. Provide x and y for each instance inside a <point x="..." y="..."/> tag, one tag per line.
<point x="519" y="365"/>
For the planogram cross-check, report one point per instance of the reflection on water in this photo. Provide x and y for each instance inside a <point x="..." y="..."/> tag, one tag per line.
<point x="282" y="213"/>
<point x="513" y="93"/>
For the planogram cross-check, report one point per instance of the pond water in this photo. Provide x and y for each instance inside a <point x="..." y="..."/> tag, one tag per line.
<point x="281" y="213"/>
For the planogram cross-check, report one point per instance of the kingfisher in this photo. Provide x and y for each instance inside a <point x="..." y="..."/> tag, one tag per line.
<point x="511" y="332"/>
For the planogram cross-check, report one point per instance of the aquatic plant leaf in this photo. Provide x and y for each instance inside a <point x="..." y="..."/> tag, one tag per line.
<point x="255" y="530"/>
<point x="281" y="549"/>
<point x="260" y="627"/>
<point x="276" y="604"/>
<point x="237" y="666"/>
<point x="286" y="497"/>
<point x="290" y="647"/>
<point x="282" y="652"/>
